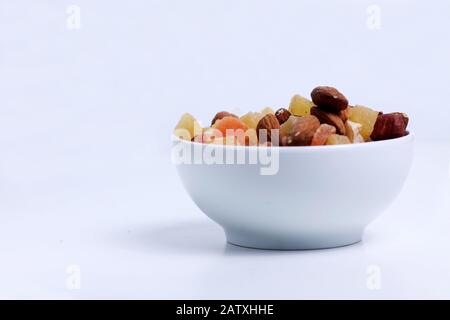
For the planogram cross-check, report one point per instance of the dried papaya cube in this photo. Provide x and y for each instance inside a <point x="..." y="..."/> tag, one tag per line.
<point x="228" y="125"/>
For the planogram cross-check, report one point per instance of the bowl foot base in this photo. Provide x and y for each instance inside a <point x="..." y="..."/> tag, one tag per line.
<point x="292" y="243"/>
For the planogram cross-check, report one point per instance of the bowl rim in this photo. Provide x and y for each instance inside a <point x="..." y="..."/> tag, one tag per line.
<point x="372" y="144"/>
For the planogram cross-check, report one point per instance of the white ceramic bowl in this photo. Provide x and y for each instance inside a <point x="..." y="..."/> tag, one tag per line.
<point x="321" y="197"/>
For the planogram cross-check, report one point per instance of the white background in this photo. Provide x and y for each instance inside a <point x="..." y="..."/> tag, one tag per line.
<point x="85" y="122"/>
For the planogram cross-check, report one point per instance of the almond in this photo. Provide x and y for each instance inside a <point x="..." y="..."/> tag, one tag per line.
<point x="302" y="131"/>
<point x="329" y="99"/>
<point x="329" y="118"/>
<point x="265" y="126"/>
<point x="344" y="114"/>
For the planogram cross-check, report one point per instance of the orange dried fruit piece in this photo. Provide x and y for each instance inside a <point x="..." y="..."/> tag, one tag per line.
<point x="209" y="135"/>
<point x="300" y="106"/>
<point x="229" y="125"/>
<point x="229" y="140"/>
<point x="321" y="135"/>
<point x="364" y="116"/>
<point x="239" y="139"/>
<point x="221" y="115"/>
<point x="242" y="138"/>
<point x="188" y="127"/>
<point x="337" y="139"/>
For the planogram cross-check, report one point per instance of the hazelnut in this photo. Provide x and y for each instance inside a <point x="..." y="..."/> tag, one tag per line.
<point x="282" y="115"/>
<point x="389" y="126"/>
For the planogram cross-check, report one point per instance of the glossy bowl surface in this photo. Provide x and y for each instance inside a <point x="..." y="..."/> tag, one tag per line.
<point x="294" y="197"/>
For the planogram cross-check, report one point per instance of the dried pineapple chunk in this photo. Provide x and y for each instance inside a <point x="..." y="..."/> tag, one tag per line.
<point x="188" y="127"/>
<point x="364" y="116"/>
<point x="300" y="106"/>
<point x="337" y="139"/>
<point x="251" y="119"/>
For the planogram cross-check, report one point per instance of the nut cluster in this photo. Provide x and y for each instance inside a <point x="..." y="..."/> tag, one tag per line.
<point x="326" y="119"/>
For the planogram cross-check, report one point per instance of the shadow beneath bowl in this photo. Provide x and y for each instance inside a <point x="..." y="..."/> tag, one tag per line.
<point x="196" y="237"/>
<point x="179" y="238"/>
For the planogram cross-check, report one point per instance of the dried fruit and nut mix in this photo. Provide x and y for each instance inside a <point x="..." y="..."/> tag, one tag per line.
<point x="326" y="120"/>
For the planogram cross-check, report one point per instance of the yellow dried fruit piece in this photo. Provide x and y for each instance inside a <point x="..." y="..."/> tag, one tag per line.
<point x="231" y="140"/>
<point x="300" y="106"/>
<point x="364" y="116"/>
<point x="337" y="139"/>
<point x="267" y="110"/>
<point x="353" y="131"/>
<point x="286" y="127"/>
<point x="251" y="119"/>
<point x="188" y="127"/>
